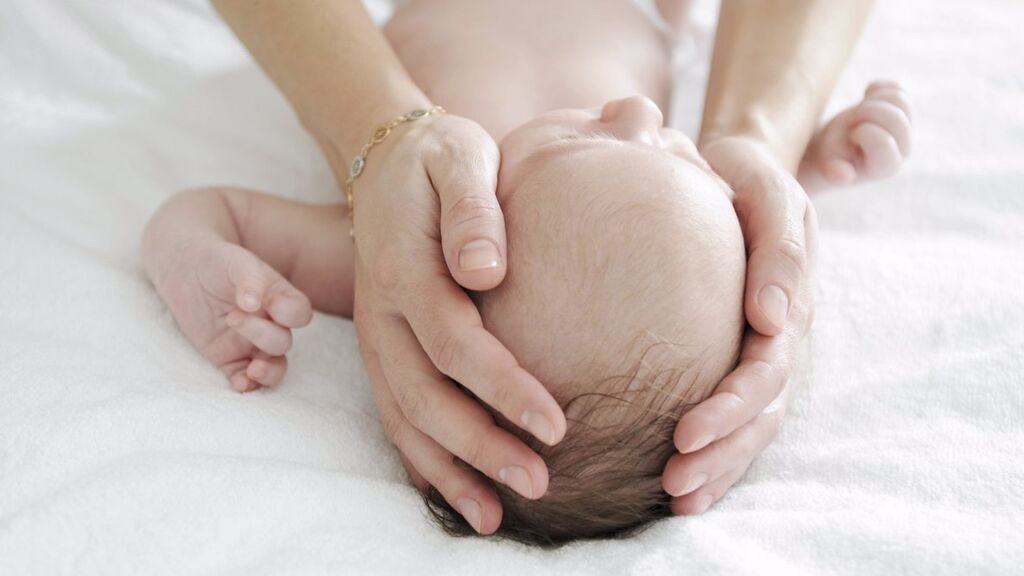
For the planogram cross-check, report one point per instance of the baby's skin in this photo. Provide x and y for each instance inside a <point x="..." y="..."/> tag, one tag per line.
<point x="240" y="270"/>
<point x="579" y="125"/>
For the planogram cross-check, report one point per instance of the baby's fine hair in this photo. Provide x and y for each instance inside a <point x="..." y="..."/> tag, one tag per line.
<point x="624" y="295"/>
<point x="605" y="476"/>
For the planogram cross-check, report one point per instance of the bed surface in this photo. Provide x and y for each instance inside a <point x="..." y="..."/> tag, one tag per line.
<point x="122" y="452"/>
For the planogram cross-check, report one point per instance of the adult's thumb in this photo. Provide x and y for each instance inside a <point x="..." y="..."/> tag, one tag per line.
<point x="472" y="224"/>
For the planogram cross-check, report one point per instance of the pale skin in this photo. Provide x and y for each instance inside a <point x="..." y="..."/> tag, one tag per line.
<point x="440" y="213"/>
<point x="240" y="270"/>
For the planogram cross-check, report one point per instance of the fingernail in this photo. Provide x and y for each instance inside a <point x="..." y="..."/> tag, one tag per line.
<point x="539" y="426"/>
<point x="774" y="304"/>
<point x="703" y="503"/>
<point x="470" y="510"/>
<point x="250" y="301"/>
<point x="478" y="255"/>
<point x="518" y="479"/>
<point x="694" y="483"/>
<point x="700" y="443"/>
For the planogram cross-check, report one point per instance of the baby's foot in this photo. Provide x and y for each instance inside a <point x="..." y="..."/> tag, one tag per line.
<point x="865" y="142"/>
<point x="235" y="309"/>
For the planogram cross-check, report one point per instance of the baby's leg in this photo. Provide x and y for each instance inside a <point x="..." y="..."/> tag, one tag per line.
<point x="235" y="268"/>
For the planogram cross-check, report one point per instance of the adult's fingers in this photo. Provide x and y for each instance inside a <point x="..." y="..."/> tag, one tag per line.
<point x="425" y="459"/>
<point x="465" y="175"/>
<point x="449" y="329"/>
<point x="436" y="407"/>
<point x="415" y="477"/>
<point x="744" y="393"/>
<point x="756" y="383"/>
<point x="699" y="501"/>
<point x="759" y="379"/>
<point x="685" y="473"/>
<point x="772" y="209"/>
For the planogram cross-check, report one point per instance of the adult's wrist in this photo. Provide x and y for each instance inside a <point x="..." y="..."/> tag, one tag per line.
<point x="755" y="129"/>
<point x="353" y="126"/>
<point x="751" y="146"/>
<point x="342" y="138"/>
<point x="746" y="161"/>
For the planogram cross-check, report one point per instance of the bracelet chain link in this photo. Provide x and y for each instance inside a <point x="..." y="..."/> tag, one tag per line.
<point x="379" y="135"/>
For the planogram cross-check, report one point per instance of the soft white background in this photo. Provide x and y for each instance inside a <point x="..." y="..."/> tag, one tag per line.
<point x="122" y="452"/>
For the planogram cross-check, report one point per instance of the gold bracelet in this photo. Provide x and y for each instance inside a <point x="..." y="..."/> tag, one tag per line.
<point x="379" y="135"/>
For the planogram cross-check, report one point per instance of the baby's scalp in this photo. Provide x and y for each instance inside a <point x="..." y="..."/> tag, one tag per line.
<point x="624" y="297"/>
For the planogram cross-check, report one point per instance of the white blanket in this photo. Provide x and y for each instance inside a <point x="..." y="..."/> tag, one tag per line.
<point x="122" y="452"/>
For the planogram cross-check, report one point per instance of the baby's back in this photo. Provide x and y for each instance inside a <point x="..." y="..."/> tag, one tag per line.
<point x="503" y="62"/>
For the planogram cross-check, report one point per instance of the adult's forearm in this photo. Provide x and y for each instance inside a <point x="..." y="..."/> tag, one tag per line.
<point x="775" y="63"/>
<point x="332" y="63"/>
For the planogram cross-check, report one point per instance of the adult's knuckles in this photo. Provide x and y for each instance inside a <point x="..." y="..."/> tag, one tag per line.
<point x="761" y="374"/>
<point x="475" y="452"/>
<point x="790" y="254"/>
<point x="711" y="415"/>
<point x="728" y="402"/>
<point x="472" y="210"/>
<point x="446" y="350"/>
<point x="414" y="403"/>
<point x="393" y="425"/>
<point x="685" y="465"/>
<point x="501" y="396"/>
<point x="761" y="181"/>
<point x="458" y="142"/>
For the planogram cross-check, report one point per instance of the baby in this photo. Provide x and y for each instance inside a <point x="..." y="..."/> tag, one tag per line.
<point x="624" y="292"/>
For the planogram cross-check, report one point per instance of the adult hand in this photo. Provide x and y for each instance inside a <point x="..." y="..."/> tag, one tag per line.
<point x="427" y="221"/>
<point x="719" y="438"/>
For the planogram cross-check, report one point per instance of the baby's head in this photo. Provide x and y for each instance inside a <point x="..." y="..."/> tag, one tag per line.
<point x="623" y="296"/>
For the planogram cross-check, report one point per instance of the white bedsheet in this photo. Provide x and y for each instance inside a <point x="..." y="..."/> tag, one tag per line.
<point x="122" y="452"/>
